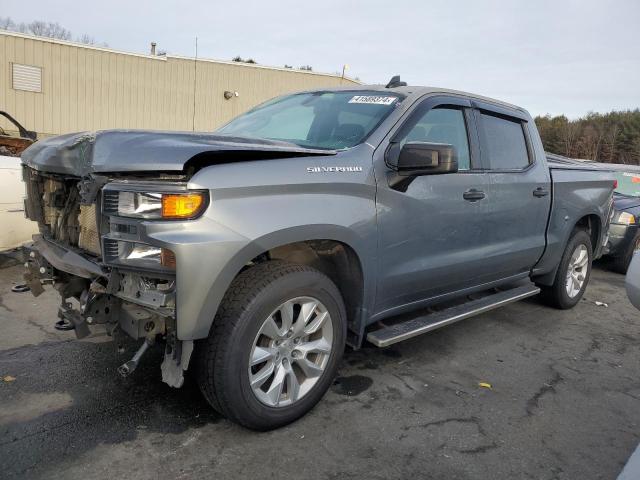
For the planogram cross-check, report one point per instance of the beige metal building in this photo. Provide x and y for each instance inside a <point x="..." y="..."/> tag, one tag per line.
<point x="55" y="87"/>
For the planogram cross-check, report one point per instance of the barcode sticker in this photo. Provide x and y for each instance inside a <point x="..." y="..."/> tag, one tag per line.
<point x="373" y="99"/>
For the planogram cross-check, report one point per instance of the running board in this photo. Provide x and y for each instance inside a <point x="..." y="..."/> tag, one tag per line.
<point x="416" y="326"/>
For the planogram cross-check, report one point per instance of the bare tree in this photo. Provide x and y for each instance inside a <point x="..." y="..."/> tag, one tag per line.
<point x="607" y="137"/>
<point x="45" y="29"/>
<point x="592" y="141"/>
<point x="610" y="142"/>
<point x="635" y="152"/>
<point x="7" y="24"/>
<point x="569" y="135"/>
<point x="239" y="59"/>
<point x="87" y="39"/>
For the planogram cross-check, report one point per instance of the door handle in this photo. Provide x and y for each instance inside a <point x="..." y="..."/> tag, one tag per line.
<point x="540" y="192"/>
<point x="473" y="195"/>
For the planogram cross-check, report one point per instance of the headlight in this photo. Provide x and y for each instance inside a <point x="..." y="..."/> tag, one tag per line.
<point x="139" y="205"/>
<point x="138" y="254"/>
<point x="167" y="206"/>
<point x="624" y="218"/>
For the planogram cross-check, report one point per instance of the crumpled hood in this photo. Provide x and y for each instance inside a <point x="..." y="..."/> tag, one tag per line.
<point x="106" y="151"/>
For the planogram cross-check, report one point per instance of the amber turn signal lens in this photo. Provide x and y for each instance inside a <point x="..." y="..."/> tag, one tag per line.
<point x="181" y="205"/>
<point x="167" y="258"/>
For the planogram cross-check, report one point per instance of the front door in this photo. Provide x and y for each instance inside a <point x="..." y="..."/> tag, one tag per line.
<point x="433" y="236"/>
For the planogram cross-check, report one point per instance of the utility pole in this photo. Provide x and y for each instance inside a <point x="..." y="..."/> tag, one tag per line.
<point x="344" y="67"/>
<point x="195" y="76"/>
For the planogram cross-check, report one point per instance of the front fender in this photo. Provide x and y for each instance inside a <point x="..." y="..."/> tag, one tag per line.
<point x="210" y="256"/>
<point x="212" y="250"/>
<point x="267" y="242"/>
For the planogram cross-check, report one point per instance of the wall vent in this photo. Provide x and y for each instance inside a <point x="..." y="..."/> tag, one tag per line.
<point x="27" y="78"/>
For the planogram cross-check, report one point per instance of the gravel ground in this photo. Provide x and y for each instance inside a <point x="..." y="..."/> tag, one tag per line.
<point x="564" y="403"/>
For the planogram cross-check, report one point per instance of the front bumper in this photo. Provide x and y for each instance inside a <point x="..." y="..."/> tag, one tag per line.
<point x="621" y="236"/>
<point x="106" y="295"/>
<point x="208" y="256"/>
<point x="66" y="260"/>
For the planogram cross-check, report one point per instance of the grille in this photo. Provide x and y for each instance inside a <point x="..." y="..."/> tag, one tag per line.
<point x="124" y="228"/>
<point x="110" y="200"/>
<point x="110" y="250"/>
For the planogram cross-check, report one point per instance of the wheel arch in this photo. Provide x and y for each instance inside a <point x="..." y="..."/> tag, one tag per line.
<point x="588" y="221"/>
<point x="593" y="226"/>
<point x="334" y="250"/>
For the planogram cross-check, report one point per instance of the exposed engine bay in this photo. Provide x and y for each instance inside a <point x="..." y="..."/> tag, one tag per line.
<point x="75" y="254"/>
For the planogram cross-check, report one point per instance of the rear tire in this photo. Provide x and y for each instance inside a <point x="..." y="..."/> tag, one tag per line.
<point x="571" y="279"/>
<point x="265" y="312"/>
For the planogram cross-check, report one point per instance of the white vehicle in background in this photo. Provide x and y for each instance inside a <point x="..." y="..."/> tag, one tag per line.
<point x="15" y="228"/>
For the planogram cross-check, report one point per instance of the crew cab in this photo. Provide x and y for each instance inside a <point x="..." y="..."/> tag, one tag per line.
<point x="320" y="219"/>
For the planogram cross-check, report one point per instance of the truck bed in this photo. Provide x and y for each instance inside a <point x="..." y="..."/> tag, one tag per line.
<point x="577" y="188"/>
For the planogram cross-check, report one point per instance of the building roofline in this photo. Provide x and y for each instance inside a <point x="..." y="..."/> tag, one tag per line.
<point x="79" y="45"/>
<point x="163" y="58"/>
<point x="257" y="65"/>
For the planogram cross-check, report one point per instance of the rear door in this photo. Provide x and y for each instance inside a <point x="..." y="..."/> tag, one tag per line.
<point x="519" y="191"/>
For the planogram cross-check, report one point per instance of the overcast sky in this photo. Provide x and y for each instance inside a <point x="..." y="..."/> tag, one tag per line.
<point x="562" y="56"/>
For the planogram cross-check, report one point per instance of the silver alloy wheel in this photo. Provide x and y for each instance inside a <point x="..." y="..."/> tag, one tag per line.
<point x="577" y="271"/>
<point x="290" y="351"/>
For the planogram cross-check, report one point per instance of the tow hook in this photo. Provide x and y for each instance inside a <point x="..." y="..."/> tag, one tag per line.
<point x="71" y="319"/>
<point x="129" y="367"/>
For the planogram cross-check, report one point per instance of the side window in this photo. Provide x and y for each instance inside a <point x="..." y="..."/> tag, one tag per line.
<point x="443" y="125"/>
<point x="505" y="141"/>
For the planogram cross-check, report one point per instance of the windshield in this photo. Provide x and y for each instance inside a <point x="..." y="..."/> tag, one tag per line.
<point x="628" y="183"/>
<point x="325" y="120"/>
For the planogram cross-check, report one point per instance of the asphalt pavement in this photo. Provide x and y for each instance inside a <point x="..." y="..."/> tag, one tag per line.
<point x="563" y="403"/>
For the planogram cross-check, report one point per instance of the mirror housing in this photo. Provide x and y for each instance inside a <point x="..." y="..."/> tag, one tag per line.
<point x="421" y="158"/>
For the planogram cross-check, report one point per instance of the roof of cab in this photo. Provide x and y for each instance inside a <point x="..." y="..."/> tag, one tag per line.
<point x="412" y="91"/>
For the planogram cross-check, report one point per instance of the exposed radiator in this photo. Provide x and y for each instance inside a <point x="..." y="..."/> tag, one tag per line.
<point x="89" y="236"/>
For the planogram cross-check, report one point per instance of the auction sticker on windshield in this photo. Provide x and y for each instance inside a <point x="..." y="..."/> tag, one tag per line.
<point x="373" y="99"/>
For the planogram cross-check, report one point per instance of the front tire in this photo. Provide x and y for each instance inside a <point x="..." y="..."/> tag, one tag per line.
<point x="274" y="346"/>
<point x="573" y="272"/>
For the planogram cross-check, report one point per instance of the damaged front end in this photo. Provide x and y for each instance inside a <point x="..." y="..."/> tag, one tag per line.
<point x="93" y="250"/>
<point x="98" y="198"/>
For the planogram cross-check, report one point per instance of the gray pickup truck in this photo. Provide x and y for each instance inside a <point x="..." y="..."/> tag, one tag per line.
<point x="316" y="220"/>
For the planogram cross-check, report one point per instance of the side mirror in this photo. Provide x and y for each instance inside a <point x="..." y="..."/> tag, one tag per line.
<point x="421" y="158"/>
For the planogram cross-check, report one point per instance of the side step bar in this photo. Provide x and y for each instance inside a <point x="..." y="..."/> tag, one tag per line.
<point x="416" y="326"/>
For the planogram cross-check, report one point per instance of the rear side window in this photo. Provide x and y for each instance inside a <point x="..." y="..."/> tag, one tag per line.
<point x="505" y="142"/>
